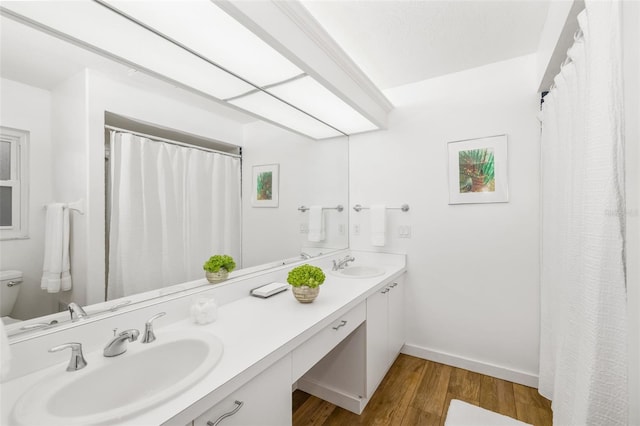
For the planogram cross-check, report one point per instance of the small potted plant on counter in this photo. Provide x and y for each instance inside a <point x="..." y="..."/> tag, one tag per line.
<point x="305" y="281"/>
<point x="218" y="267"/>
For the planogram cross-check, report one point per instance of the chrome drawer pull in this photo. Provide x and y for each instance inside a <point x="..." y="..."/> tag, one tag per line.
<point x="238" y="404"/>
<point x="13" y="283"/>
<point x="393" y="285"/>
<point x="342" y="324"/>
<point x="386" y="290"/>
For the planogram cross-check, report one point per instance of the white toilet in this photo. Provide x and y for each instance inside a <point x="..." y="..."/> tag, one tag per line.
<point x="9" y="289"/>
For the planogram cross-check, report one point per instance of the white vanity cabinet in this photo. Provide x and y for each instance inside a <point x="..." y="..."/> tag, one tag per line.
<point x="266" y="400"/>
<point x="385" y="331"/>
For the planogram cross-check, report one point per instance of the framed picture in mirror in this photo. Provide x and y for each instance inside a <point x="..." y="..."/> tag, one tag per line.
<point x="265" y="187"/>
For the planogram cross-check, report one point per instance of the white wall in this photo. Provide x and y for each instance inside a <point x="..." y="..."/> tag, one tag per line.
<point x="28" y="108"/>
<point x="327" y="171"/>
<point x="69" y="142"/>
<point x="472" y="287"/>
<point x="311" y="173"/>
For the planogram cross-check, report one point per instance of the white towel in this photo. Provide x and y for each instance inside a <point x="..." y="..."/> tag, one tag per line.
<point x="316" y="224"/>
<point x="5" y="352"/>
<point x="378" y="224"/>
<point x="55" y="269"/>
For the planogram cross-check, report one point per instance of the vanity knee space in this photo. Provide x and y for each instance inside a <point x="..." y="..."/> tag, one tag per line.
<point x="313" y="350"/>
<point x="351" y="372"/>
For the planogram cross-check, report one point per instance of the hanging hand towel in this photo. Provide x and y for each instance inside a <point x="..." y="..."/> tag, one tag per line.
<point x="316" y="224"/>
<point x="378" y="224"/>
<point x="55" y="269"/>
<point x="65" y="275"/>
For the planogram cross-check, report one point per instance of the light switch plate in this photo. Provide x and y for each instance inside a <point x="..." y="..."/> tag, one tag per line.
<point x="404" y="231"/>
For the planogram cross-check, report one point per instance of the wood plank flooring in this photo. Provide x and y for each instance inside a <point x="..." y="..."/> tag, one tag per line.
<point x="418" y="392"/>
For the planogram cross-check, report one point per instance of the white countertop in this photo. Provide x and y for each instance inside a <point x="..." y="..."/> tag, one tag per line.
<point x="255" y="332"/>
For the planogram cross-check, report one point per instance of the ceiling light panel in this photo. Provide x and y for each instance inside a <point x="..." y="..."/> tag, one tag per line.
<point x="210" y="32"/>
<point x="267" y="106"/>
<point x="310" y="96"/>
<point x="95" y="25"/>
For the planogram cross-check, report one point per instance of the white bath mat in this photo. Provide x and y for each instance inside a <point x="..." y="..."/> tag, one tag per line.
<point x="463" y="414"/>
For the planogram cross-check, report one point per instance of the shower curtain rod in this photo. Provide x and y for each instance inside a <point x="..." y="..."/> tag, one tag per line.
<point x="170" y="141"/>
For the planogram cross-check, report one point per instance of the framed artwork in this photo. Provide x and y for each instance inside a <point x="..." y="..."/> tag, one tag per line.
<point x="265" y="185"/>
<point x="478" y="170"/>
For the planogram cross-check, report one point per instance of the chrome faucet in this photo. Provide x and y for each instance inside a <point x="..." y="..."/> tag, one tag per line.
<point x="305" y="256"/>
<point x="38" y="325"/>
<point x="149" y="335"/>
<point x="76" y="311"/>
<point x="118" y="345"/>
<point x="341" y="264"/>
<point x="77" y="361"/>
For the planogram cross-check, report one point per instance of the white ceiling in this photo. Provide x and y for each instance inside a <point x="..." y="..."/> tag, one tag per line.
<point x="396" y="42"/>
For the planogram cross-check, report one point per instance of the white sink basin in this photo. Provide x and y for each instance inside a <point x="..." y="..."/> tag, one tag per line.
<point x="108" y="390"/>
<point x="359" y="272"/>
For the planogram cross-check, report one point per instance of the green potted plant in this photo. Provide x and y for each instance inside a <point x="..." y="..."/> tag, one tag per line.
<point x="218" y="266"/>
<point x="305" y="281"/>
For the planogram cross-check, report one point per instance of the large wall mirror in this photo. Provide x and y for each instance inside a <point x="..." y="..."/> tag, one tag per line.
<point x="68" y="100"/>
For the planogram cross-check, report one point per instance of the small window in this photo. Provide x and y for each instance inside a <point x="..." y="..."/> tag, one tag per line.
<point x="14" y="195"/>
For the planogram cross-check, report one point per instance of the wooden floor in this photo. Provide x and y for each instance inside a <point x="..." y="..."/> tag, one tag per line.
<point x="417" y="392"/>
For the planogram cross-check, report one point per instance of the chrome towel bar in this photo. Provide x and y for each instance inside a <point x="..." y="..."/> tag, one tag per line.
<point x="339" y="207"/>
<point x="404" y="208"/>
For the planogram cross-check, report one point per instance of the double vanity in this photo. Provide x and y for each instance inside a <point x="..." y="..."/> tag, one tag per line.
<point x="238" y="370"/>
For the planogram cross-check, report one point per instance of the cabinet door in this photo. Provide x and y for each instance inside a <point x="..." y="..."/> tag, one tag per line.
<point x="377" y="335"/>
<point x="266" y="400"/>
<point x="396" y="319"/>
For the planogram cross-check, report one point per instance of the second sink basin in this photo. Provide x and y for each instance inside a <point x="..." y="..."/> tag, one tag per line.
<point x="360" y="271"/>
<point x="110" y="389"/>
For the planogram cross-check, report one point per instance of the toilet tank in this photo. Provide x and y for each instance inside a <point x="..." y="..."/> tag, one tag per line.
<point x="9" y="289"/>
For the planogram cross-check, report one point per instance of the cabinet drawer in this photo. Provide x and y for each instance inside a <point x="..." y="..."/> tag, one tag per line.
<point x="264" y="401"/>
<point x="313" y="350"/>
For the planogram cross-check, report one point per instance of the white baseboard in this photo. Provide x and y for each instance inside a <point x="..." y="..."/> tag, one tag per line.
<point x="353" y="403"/>
<point x="493" y="370"/>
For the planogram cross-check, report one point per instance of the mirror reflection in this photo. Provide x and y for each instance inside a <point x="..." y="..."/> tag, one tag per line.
<point x="142" y="207"/>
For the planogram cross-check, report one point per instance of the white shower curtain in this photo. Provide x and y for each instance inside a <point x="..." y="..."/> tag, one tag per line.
<point x="583" y="354"/>
<point x="171" y="208"/>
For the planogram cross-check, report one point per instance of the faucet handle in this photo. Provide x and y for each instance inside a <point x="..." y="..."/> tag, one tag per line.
<point x="77" y="361"/>
<point x="130" y="335"/>
<point x="149" y="335"/>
